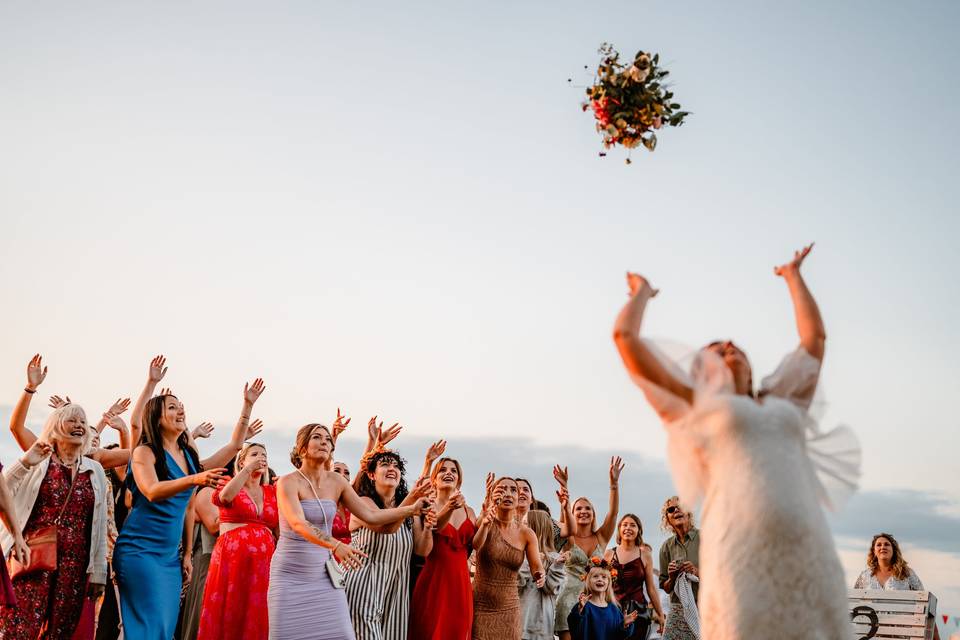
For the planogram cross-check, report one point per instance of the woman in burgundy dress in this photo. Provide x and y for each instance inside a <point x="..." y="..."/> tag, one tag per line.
<point x="634" y="565"/>
<point x="248" y="527"/>
<point x="442" y="607"/>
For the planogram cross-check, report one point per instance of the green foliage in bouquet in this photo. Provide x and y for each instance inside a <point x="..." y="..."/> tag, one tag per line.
<point x="630" y="101"/>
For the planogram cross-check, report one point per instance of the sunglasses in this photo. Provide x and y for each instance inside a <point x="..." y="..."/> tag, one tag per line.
<point x="673" y="509"/>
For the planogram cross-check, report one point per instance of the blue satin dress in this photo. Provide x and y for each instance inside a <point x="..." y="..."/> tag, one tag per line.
<point x="146" y="560"/>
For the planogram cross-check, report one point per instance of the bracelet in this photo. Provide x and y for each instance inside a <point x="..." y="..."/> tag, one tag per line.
<point x="28" y="390"/>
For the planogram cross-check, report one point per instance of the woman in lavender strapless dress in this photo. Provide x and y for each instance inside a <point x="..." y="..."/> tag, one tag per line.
<point x="302" y="602"/>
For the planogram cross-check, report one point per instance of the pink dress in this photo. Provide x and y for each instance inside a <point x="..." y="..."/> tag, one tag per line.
<point x="235" y="598"/>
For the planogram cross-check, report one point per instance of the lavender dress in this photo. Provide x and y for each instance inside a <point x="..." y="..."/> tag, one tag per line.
<point x="302" y="602"/>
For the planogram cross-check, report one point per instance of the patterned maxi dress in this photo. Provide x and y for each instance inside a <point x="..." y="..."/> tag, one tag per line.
<point x="235" y="598"/>
<point x="53" y="600"/>
<point x="496" y="600"/>
<point x="576" y="568"/>
<point x="379" y="591"/>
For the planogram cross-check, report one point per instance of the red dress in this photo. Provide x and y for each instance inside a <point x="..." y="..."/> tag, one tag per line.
<point x="54" y="599"/>
<point x="442" y="606"/>
<point x="341" y="527"/>
<point x="235" y="598"/>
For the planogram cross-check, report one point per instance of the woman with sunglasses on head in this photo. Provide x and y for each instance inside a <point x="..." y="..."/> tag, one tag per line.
<point x="166" y="471"/>
<point x="248" y="529"/>
<point x="679" y="556"/>
<point x="761" y="465"/>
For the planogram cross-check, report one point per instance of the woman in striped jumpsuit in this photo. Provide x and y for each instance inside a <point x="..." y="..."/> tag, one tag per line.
<point x="379" y="592"/>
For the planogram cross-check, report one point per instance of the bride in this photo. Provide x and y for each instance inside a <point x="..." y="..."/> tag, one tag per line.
<point x="760" y="465"/>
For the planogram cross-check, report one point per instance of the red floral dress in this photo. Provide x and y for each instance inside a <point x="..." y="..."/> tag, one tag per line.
<point x="235" y="598"/>
<point x="53" y="600"/>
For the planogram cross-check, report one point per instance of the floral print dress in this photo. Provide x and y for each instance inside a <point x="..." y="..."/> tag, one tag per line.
<point x="235" y="598"/>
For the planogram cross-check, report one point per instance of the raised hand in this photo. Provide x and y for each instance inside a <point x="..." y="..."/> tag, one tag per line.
<point x="166" y="391"/>
<point x="421" y="490"/>
<point x="118" y="407"/>
<point x="436" y="450"/>
<point x="56" y="402"/>
<point x="637" y="283"/>
<point x="386" y="436"/>
<point x="158" y="369"/>
<point x="339" y="425"/>
<point x="630" y="618"/>
<point x="202" y="430"/>
<point x="582" y="600"/>
<point x="616" y="466"/>
<point x="563" y="496"/>
<point x="430" y="520"/>
<point x="36" y="372"/>
<point x="793" y="266"/>
<point x="210" y="478"/>
<point x="252" y="391"/>
<point x="373" y="431"/>
<point x="115" y="421"/>
<point x="37" y="453"/>
<point x="349" y="557"/>
<point x="253" y="429"/>
<point x="561" y="475"/>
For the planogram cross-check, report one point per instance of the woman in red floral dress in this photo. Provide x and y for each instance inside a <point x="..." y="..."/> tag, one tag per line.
<point x="235" y="599"/>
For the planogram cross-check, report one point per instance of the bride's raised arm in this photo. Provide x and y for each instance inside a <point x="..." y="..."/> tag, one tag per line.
<point x="813" y="336"/>
<point x="637" y="357"/>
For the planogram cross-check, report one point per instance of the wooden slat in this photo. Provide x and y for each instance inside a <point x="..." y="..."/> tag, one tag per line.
<point x="887" y="631"/>
<point x="893" y="607"/>
<point x="875" y="594"/>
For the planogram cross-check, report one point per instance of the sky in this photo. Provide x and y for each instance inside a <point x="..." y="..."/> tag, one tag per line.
<point x="400" y="210"/>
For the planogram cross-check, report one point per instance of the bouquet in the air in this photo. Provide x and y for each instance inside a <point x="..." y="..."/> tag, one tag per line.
<point x="631" y="101"/>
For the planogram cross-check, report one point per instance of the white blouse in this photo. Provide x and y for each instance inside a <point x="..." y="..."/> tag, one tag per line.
<point x="869" y="581"/>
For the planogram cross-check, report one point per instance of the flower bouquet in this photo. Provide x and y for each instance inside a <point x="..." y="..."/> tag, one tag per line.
<point x="630" y="101"/>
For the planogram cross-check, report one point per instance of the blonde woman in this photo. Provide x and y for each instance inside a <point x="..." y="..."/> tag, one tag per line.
<point x="597" y="616"/>
<point x="54" y="485"/>
<point x="248" y="530"/>
<point x="538" y="605"/>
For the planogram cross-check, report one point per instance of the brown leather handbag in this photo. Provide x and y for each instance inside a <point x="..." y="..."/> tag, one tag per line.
<point x="42" y="543"/>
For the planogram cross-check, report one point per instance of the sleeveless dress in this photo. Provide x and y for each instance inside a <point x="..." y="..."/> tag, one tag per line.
<point x="496" y="600"/>
<point x="629" y="585"/>
<point x="576" y="568"/>
<point x="241" y="557"/>
<point x="55" y="599"/>
<point x="442" y="607"/>
<point x="762" y="467"/>
<point x="203" y="542"/>
<point x="302" y="603"/>
<point x="146" y="560"/>
<point x="379" y="591"/>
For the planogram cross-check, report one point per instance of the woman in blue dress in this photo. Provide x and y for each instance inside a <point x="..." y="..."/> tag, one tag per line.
<point x="166" y="470"/>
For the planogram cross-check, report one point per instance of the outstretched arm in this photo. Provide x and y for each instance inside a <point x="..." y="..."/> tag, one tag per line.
<point x="813" y="336"/>
<point x="637" y="357"/>
<point x="610" y="522"/>
<point x="155" y="374"/>
<point x="250" y="394"/>
<point x="36" y="372"/>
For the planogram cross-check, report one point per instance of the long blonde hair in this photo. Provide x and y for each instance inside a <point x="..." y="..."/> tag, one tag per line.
<point x="542" y="527"/>
<point x="608" y="595"/>
<point x="898" y="566"/>
<point x="242" y="456"/>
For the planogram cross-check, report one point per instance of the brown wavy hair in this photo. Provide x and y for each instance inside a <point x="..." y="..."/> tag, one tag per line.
<point x="303" y="437"/>
<point x="898" y="565"/>
<point x="639" y="528"/>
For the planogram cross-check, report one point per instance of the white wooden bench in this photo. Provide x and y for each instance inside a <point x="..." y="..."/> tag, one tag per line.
<point x="892" y="614"/>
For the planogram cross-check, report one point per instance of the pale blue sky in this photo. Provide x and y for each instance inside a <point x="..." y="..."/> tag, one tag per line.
<point x="399" y="209"/>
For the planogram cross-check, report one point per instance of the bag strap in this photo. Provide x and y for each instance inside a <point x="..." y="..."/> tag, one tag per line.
<point x="323" y="513"/>
<point x="73" y="483"/>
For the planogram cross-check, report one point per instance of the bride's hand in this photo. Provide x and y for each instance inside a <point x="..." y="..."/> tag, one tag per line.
<point x="793" y="267"/>
<point x="637" y="283"/>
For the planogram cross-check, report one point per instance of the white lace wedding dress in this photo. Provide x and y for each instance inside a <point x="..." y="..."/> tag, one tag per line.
<point x="761" y="467"/>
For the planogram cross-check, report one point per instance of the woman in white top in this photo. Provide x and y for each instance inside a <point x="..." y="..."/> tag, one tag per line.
<point x="753" y="457"/>
<point x="886" y="568"/>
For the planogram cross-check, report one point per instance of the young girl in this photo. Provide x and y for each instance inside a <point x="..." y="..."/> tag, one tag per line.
<point x="597" y="615"/>
<point x="538" y="604"/>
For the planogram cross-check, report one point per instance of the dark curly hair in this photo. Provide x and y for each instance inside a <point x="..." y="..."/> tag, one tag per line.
<point x="366" y="488"/>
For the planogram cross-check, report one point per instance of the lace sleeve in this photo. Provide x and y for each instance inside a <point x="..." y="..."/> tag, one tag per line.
<point x="795" y="379"/>
<point x="914" y="581"/>
<point x="861" y="582"/>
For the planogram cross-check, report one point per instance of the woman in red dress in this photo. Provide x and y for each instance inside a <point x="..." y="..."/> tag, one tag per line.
<point x="341" y="521"/>
<point x="442" y="607"/>
<point x="235" y="599"/>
